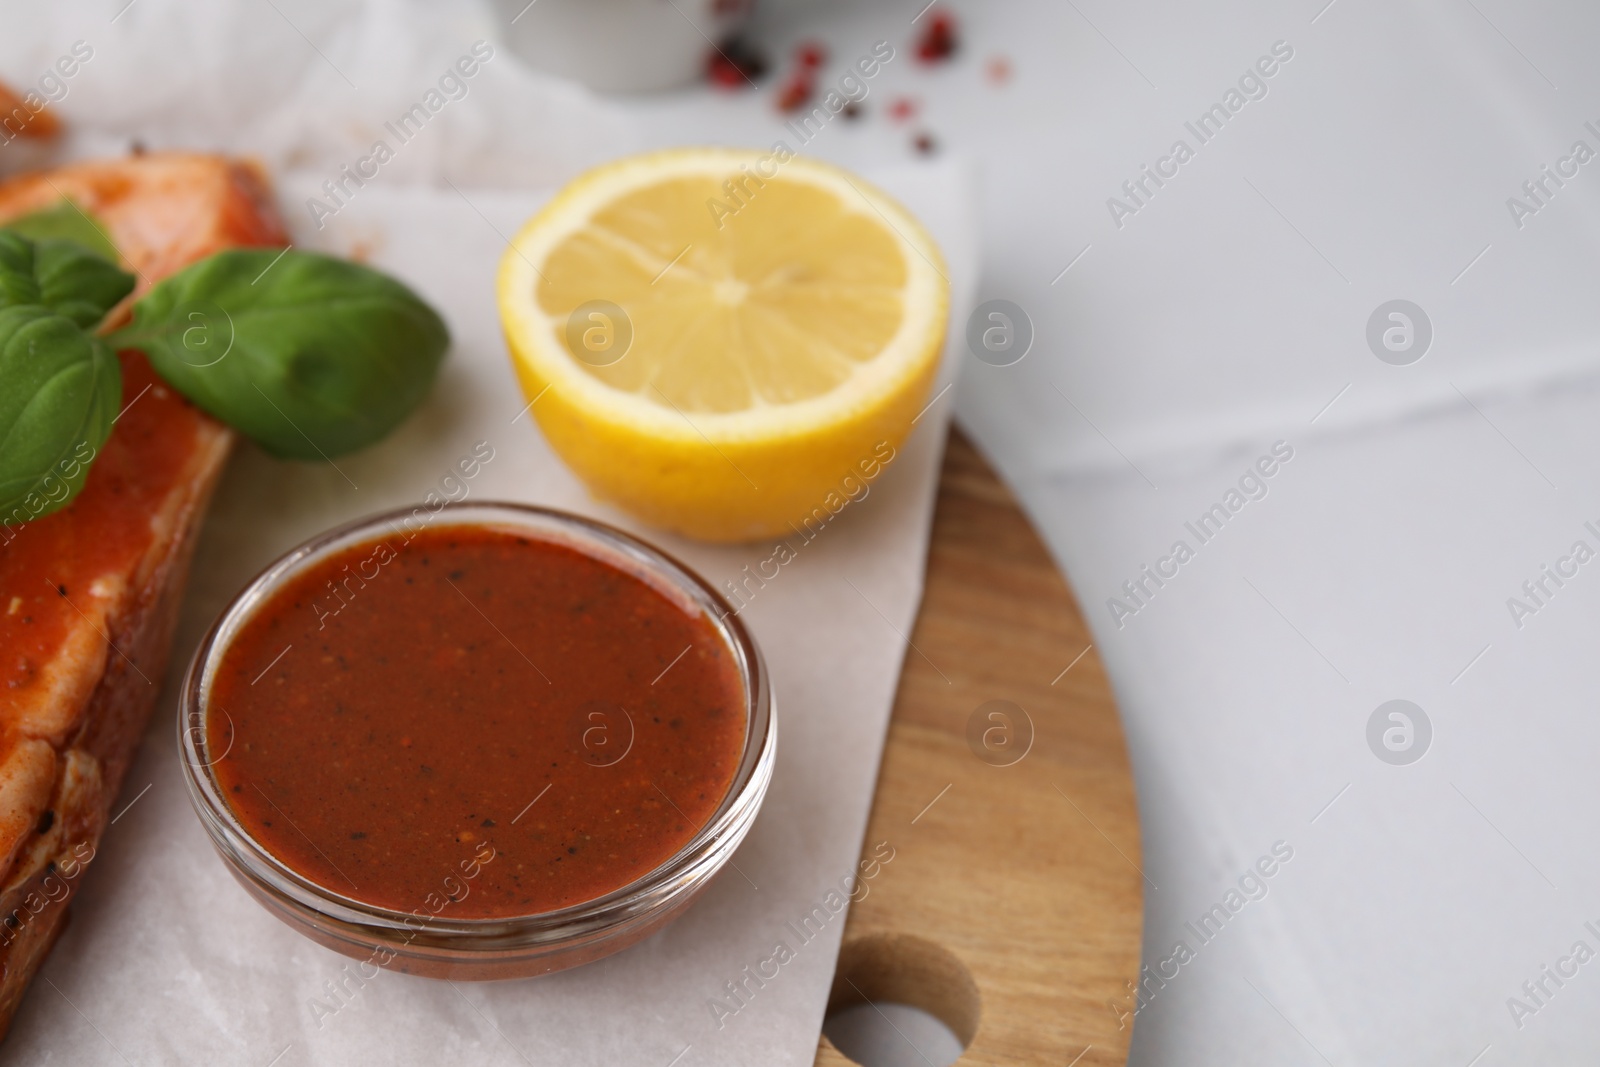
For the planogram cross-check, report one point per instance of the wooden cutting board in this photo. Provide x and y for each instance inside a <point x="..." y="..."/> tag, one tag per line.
<point x="1012" y="908"/>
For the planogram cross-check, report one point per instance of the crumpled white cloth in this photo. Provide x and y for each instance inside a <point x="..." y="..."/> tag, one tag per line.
<point x="296" y="83"/>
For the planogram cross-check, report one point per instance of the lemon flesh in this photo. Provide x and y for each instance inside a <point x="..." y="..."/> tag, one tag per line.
<point x="723" y="342"/>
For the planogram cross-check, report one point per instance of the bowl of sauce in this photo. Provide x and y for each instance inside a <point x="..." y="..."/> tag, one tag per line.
<point x="489" y="742"/>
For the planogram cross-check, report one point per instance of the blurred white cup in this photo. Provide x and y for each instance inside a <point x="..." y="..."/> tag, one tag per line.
<point x="620" y="46"/>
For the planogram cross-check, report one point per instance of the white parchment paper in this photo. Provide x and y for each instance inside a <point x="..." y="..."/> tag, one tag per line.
<point x="167" y="960"/>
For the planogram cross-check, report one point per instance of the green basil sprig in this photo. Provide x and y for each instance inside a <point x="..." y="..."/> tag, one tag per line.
<point x="59" y="275"/>
<point x="307" y="355"/>
<point x="66" y="221"/>
<point x="59" y="393"/>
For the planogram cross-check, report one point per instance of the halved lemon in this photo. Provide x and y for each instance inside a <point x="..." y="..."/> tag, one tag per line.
<point x="726" y="343"/>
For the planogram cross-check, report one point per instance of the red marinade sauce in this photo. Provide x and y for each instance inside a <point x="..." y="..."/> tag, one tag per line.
<point x="449" y="728"/>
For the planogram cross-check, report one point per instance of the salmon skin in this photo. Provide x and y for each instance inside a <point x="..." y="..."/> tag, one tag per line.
<point x="89" y="594"/>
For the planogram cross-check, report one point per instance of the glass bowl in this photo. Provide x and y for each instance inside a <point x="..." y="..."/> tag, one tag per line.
<point x="437" y="946"/>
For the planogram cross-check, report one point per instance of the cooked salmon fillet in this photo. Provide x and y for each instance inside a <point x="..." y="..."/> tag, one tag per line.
<point x="89" y="595"/>
<point x="18" y="119"/>
<point x="162" y="211"/>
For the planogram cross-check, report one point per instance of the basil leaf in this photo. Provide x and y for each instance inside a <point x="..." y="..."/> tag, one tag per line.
<point x="61" y="390"/>
<point x="307" y="355"/>
<point x="66" y="221"/>
<point x="60" y="276"/>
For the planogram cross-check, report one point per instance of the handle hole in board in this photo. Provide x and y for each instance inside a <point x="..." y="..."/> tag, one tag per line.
<point x="901" y="999"/>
